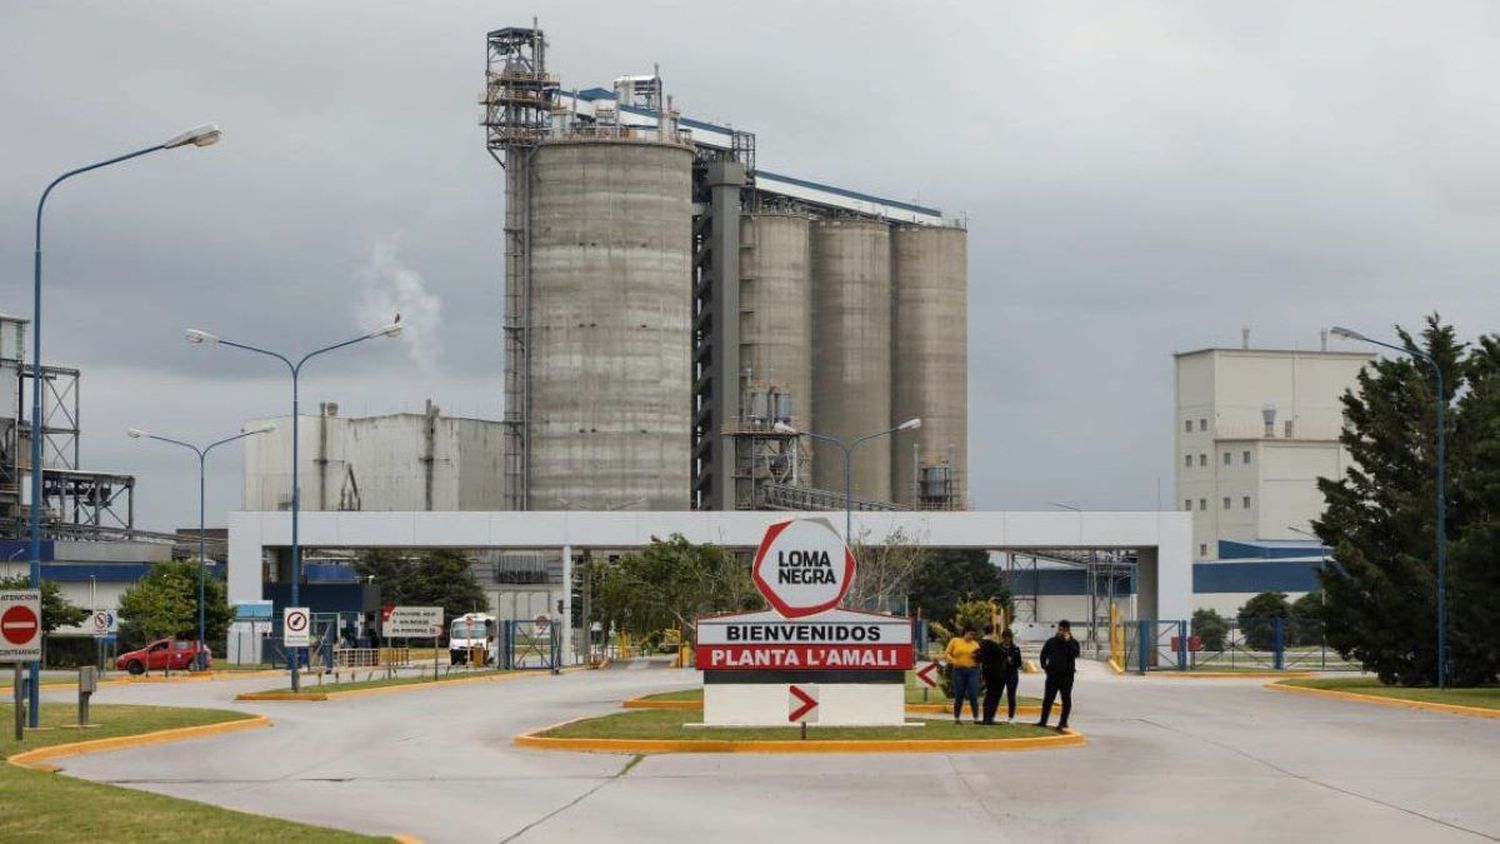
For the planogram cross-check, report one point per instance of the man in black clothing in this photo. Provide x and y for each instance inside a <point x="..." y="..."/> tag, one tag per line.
<point x="1058" y="658"/>
<point x="1000" y="663"/>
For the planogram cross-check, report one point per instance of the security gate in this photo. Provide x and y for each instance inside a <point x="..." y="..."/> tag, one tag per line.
<point x="531" y="644"/>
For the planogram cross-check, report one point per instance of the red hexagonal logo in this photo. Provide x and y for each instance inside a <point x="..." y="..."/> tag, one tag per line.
<point x="803" y="567"/>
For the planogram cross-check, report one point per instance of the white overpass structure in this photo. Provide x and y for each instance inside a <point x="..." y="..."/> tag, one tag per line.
<point x="1162" y="540"/>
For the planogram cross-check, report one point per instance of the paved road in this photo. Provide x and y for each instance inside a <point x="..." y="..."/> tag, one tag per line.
<point x="1167" y="760"/>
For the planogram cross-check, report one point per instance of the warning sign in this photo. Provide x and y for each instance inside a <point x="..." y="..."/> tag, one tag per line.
<point x="21" y="626"/>
<point x="103" y="623"/>
<point x="296" y="623"/>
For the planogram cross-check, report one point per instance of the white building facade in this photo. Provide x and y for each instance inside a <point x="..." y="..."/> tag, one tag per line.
<point x="401" y="461"/>
<point x="1255" y="429"/>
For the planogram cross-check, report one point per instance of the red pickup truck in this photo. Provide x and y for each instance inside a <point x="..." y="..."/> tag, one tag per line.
<point x="162" y="655"/>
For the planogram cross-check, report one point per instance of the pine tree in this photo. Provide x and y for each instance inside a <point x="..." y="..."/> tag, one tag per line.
<point x="1381" y="584"/>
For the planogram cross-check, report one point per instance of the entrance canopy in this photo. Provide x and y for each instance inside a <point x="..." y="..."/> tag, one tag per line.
<point x="1161" y="541"/>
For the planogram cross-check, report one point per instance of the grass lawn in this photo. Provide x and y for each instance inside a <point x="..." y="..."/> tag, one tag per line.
<point x="1486" y="697"/>
<point x="311" y="687"/>
<point x="668" y="724"/>
<point x="43" y="807"/>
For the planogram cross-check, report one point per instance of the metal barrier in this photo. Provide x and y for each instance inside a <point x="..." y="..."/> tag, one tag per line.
<point x="529" y="644"/>
<point x="1251" y="644"/>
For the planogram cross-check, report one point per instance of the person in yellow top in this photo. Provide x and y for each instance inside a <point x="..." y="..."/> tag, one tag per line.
<point x="962" y="655"/>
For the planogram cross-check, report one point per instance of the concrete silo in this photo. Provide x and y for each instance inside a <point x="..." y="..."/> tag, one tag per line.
<point x="775" y="306"/>
<point x="851" y="344"/>
<point x="610" y="324"/>
<point x="929" y="365"/>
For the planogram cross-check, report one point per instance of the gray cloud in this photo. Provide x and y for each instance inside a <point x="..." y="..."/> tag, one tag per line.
<point x="1139" y="179"/>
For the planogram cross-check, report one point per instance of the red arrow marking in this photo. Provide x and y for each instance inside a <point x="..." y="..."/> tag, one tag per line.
<point x="808" y="704"/>
<point x="925" y="675"/>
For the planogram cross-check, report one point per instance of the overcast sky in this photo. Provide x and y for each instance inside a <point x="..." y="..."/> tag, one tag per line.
<point x="1139" y="178"/>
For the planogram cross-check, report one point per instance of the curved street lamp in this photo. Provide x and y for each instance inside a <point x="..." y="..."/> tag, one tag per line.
<point x="848" y="449"/>
<point x="199" y="337"/>
<point x="137" y="433"/>
<point x="199" y="136"/>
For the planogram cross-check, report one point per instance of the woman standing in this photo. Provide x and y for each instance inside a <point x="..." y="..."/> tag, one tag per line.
<point x="962" y="655"/>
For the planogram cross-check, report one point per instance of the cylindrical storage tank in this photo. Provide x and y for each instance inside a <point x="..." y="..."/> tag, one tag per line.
<point x="929" y="357"/>
<point x="775" y="307"/>
<point x="610" y="335"/>
<point x="851" y="343"/>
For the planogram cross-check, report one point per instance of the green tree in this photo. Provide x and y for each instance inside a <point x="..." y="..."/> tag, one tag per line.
<point x="1255" y="619"/>
<point x="1381" y="585"/>
<point x="668" y="584"/>
<point x="440" y="578"/>
<point x="1211" y="628"/>
<point x="57" y="611"/>
<point x="949" y="577"/>
<point x="1305" y="621"/>
<point x="164" y="604"/>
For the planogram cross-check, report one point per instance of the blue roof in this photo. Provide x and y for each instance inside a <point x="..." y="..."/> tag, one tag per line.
<point x="1269" y="549"/>
<point x="852" y="194"/>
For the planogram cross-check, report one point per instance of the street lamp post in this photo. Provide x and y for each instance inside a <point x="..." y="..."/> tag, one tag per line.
<point x="1442" y="508"/>
<point x="137" y="433"/>
<point x="200" y="136"/>
<point x="848" y="448"/>
<point x="198" y="337"/>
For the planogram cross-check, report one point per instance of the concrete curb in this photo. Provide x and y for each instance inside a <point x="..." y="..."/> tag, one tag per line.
<point x="1449" y="708"/>
<point x="1233" y="675"/>
<point x="184" y="677"/>
<point x="34" y="759"/>
<point x="317" y="696"/>
<point x="537" y="741"/>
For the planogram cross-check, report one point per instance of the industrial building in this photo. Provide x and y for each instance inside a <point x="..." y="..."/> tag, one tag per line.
<point x="1254" y="430"/>
<point x="399" y="461"/>
<point x="677" y="319"/>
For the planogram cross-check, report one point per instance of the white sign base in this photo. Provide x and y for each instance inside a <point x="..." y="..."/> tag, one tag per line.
<point x="839" y="704"/>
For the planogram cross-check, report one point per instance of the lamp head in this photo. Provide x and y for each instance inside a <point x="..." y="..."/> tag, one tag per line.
<point x="196" y="336"/>
<point x="1346" y="333"/>
<point x="264" y="429"/>
<point x="783" y="428"/>
<point x="392" y="330"/>
<point x="137" y="433"/>
<point x="910" y="425"/>
<point x="199" y="136"/>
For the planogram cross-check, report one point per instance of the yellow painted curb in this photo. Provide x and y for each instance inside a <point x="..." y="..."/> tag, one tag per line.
<point x="31" y="758"/>
<point x="406" y="839"/>
<point x="1233" y="675"/>
<point x="645" y="702"/>
<point x="1031" y="668"/>
<point x="316" y="694"/>
<point x="536" y="741"/>
<point x="1450" y="708"/>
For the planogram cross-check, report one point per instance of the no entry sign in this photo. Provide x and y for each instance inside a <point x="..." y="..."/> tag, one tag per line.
<point x="21" y="626"/>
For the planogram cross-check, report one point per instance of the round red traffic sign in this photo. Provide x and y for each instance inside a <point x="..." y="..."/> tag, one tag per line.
<point x="19" y="625"/>
<point x="296" y="621"/>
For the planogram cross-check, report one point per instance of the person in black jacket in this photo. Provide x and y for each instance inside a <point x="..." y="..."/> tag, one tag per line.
<point x="1000" y="663"/>
<point x="1059" y="656"/>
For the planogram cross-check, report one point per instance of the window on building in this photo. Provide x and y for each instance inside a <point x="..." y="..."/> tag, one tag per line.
<point x="1202" y="549"/>
<point x="1202" y="459"/>
<point x="1187" y="504"/>
<point x="1187" y="426"/>
<point x="1203" y="504"/>
<point x="1291" y="429"/>
<point x="1228" y="458"/>
<point x="1245" y="457"/>
<point x="1203" y="424"/>
<point x="1187" y="460"/>
<point x="1245" y="502"/>
<point x="1226" y="502"/>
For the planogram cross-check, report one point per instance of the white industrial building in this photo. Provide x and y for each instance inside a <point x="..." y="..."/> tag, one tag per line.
<point x="1255" y="429"/>
<point x="400" y="461"/>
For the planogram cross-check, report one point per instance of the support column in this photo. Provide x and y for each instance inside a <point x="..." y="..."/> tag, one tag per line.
<point x="567" y="606"/>
<point x="724" y="179"/>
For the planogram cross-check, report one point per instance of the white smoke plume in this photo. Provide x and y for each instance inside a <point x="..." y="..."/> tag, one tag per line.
<point x="389" y="287"/>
